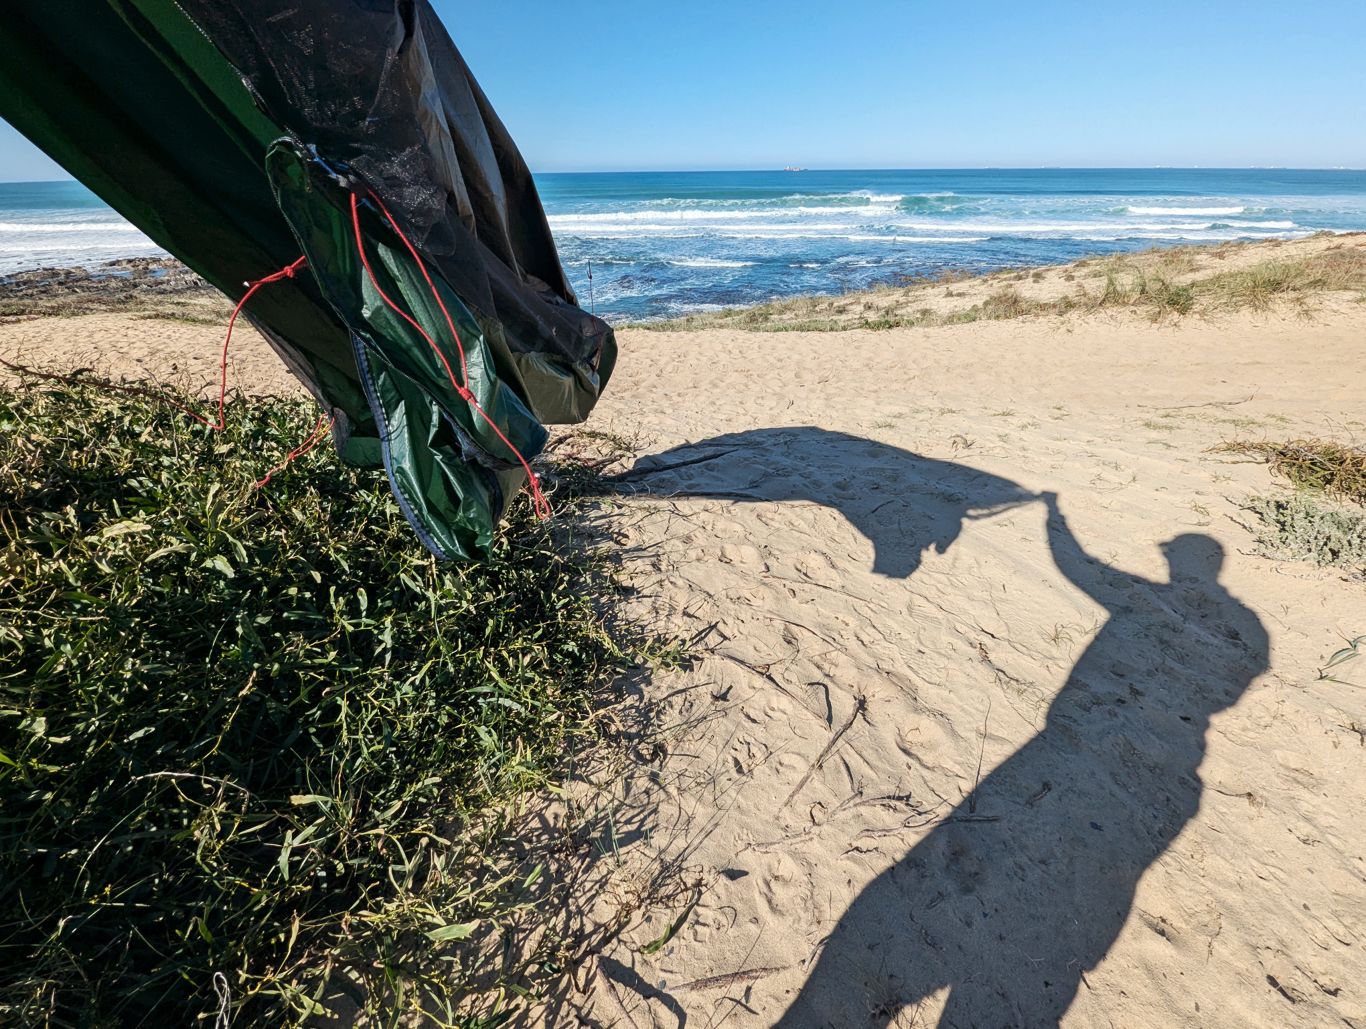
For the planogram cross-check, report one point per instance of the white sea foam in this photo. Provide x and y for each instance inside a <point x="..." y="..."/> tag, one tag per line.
<point x="1068" y="228"/>
<point x="690" y="215"/>
<point x="646" y="229"/>
<point x="1257" y="225"/>
<point x="867" y="262"/>
<point x="1194" y="212"/>
<point x="863" y="198"/>
<point x="58" y="237"/>
<point x="1192" y="236"/>
<point x="851" y="237"/>
<point x="710" y="262"/>
<point x="16" y="257"/>
<point x="133" y="247"/>
<point x="915" y="239"/>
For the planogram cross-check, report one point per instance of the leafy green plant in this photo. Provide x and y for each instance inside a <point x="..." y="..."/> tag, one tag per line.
<point x="260" y="753"/>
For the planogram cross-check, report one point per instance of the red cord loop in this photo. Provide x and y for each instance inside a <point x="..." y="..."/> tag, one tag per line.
<point x="538" y="499"/>
<point x="253" y="288"/>
<point x="287" y="272"/>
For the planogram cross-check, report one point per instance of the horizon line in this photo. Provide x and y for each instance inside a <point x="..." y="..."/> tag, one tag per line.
<point x="798" y="170"/>
<point x="959" y="168"/>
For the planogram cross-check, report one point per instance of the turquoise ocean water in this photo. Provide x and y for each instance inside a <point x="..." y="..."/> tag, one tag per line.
<point x="662" y="244"/>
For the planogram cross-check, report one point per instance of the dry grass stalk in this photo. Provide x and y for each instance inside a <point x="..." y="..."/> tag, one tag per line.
<point x="1333" y="468"/>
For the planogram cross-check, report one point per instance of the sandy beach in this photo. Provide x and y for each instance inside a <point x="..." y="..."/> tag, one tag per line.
<point x="998" y="715"/>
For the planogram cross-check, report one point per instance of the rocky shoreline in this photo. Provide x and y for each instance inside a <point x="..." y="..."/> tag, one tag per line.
<point x="131" y="285"/>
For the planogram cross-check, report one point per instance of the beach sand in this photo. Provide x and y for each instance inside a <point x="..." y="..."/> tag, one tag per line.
<point x="997" y="716"/>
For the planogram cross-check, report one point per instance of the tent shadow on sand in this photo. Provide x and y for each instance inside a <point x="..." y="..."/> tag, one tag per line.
<point x="1022" y="889"/>
<point x="905" y="504"/>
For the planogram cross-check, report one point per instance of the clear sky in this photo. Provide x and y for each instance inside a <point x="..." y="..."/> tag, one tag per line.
<point x="720" y="84"/>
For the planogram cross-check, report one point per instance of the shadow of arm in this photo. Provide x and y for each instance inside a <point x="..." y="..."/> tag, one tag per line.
<point x="1089" y="574"/>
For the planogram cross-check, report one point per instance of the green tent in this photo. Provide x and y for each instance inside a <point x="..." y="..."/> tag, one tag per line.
<point x="433" y="321"/>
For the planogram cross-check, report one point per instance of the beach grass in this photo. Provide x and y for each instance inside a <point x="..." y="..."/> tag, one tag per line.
<point x="1269" y="282"/>
<point x="261" y="757"/>
<point x="1159" y="284"/>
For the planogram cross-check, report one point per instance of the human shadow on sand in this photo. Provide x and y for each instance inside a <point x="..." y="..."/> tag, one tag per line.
<point x="905" y="504"/>
<point x="1025" y="885"/>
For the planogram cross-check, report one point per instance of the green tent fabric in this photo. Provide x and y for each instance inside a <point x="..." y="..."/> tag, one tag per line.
<point x="236" y="134"/>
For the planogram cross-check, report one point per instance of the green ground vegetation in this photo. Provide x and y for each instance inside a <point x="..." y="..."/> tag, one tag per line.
<point x="260" y="753"/>
<point x="1322" y="518"/>
<point x="1298" y="527"/>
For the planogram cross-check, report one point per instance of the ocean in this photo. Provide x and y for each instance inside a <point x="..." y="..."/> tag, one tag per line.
<point x="664" y="244"/>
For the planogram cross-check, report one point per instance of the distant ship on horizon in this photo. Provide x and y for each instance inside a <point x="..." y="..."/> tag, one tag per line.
<point x="793" y="168"/>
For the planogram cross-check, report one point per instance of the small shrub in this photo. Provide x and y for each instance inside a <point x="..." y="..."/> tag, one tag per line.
<point x="1006" y="303"/>
<point x="1299" y="528"/>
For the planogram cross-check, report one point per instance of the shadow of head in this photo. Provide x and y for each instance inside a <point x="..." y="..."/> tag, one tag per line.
<point x="1193" y="556"/>
<point x="1219" y="633"/>
<point x="903" y="503"/>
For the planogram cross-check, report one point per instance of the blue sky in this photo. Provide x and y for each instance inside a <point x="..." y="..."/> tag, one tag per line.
<point x="636" y="85"/>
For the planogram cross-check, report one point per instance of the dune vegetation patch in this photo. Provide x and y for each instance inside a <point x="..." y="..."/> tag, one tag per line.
<point x="1323" y="521"/>
<point x="1158" y="284"/>
<point x="261" y="756"/>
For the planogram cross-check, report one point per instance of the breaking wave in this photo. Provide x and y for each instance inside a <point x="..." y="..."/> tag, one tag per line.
<point x="710" y="262"/>
<point x="43" y="228"/>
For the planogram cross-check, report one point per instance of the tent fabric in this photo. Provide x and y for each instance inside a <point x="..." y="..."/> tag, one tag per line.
<point x="235" y="132"/>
